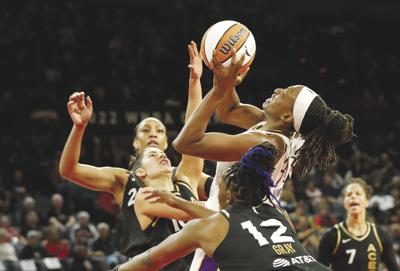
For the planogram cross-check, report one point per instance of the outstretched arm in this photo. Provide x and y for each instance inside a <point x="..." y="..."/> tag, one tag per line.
<point x="190" y="168"/>
<point x="206" y="234"/>
<point x="193" y="139"/>
<point x="191" y="209"/>
<point x="232" y="111"/>
<point x="107" y="179"/>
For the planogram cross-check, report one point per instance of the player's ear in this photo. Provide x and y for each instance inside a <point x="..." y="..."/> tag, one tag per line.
<point x="140" y="173"/>
<point x="229" y="198"/>
<point x="287" y="118"/>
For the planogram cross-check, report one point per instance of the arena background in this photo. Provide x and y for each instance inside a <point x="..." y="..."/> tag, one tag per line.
<point x="131" y="58"/>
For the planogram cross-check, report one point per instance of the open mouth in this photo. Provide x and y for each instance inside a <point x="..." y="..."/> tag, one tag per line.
<point x="354" y="204"/>
<point x="164" y="162"/>
<point x="152" y="143"/>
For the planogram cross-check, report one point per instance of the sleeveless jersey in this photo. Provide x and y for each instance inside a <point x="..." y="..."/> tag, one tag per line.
<point x="135" y="240"/>
<point x="260" y="238"/>
<point x="283" y="170"/>
<point x="354" y="253"/>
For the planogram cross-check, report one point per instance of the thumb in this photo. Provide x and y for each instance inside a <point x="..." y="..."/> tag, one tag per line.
<point x="89" y="103"/>
<point x="241" y="76"/>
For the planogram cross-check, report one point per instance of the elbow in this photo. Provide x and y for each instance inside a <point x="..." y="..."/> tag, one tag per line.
<point x="178" y="145"/>
<point x="64" y="171"/>
<point x="182" y="146"/>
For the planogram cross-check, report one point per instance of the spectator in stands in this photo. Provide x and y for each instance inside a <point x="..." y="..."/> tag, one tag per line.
<point x="7" y="250"/>
<point x="34" y="249"/>
<point x="105" y="246"/>
<point x="58" y="213"/>
<point x="80" y="259"/>
<point x="89" y="230"/>
<point x="54" y="245"/>
<point x="31" y="222"/>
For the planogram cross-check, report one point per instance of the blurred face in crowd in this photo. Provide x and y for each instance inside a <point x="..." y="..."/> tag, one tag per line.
<point x="150" y="132"/>
<point x="57" y="201"/>
<point x="83" y="218"/>
<point x="32" y="218"/>
<point x="53" y="234"/>
<point x="154" y="163"/>
<point x="104" y="230"/>
<point x="280" y="105"/>
<point x="355" y="199"/>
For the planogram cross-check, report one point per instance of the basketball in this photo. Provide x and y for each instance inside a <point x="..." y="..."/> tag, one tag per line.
<point x="223" y="37"/>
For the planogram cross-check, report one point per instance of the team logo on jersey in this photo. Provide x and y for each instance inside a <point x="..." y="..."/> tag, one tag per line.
<point x="344" y="241"/>
<point x="280" y="263"/>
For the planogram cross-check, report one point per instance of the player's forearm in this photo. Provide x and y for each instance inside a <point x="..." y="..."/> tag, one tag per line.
<point x="194" y="129"/>
<point x="141" y="262"/>
<point x="194" y="96"/>
<point x="71" y="152"/>
<point x="195" y="210"/>
<point x="229" y="102"/>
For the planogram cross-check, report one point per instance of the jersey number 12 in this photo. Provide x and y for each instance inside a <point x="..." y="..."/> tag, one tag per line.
<point x="276" y="237"/>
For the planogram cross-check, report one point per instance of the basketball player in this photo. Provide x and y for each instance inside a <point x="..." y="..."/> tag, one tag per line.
<point x="250" y="234"/>
<point x="289" y="113"/>
<point x="356" y="244"/>
<point x="122" y="183"/>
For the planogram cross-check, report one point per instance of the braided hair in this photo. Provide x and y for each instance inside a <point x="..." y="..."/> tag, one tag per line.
<point x="250" y="178"/>
<point x="322" y="130"/>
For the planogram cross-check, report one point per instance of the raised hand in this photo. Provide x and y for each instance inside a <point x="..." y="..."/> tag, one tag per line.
<point x="196" y="63"/>
<point x="228" y="77"/>
<point x="80" y="109"/>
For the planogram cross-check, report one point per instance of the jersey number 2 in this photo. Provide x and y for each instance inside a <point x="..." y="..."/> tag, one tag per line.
<point x="276" y="237"/>
<point x="132" y="195"/>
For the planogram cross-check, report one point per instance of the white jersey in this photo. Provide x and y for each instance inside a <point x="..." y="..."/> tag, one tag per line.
<point x="282" y="170"/>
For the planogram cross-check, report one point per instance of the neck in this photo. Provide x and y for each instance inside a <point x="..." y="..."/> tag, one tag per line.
<point x="272" y="125"/>
<point x="163" y="182"/>
<point x="356" y="222"/>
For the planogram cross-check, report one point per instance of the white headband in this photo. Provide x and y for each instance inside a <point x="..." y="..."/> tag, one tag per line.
<point x="301" y="105"/>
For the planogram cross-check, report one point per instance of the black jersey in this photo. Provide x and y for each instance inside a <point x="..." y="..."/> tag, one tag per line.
<point x="135" y="240"/>
<point x="261" y="239"/>
<point x="346" y="252"/>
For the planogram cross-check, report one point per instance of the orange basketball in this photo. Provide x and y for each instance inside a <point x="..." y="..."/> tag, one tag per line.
<point x="223" y="37"/>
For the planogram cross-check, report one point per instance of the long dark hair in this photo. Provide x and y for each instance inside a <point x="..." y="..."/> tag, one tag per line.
<point x="250" y="178"/>
<point x="322" y="129"/>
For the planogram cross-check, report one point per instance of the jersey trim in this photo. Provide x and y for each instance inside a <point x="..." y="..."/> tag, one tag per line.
<point x="365" y="235"/>
<point x="225" y="213"/>
<point x="377" y="237"/>
<point x="338" y="238"/>
<point x="184" y="184"/>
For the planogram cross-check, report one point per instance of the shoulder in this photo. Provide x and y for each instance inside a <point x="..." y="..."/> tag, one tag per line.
<point x="382" y="235"/>
<point x="120" y="174"/>
<point x="261" y="136"/>
<point x="331" y="234"/>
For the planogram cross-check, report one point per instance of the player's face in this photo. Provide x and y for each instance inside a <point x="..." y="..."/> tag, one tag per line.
<point x="281" y="102"/>
<point x="155" y="163"/>
<point x="355" y="199"/>
<point x="150" y="132"/>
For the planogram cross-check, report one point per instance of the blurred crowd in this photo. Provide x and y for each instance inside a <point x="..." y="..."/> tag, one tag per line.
<point x="132" y="54"/>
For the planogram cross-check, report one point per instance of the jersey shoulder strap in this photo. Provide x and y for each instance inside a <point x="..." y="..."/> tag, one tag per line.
<point x="378" y="239"/>
<point x="338" y="237"/>
<point x="225" y="213"/>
